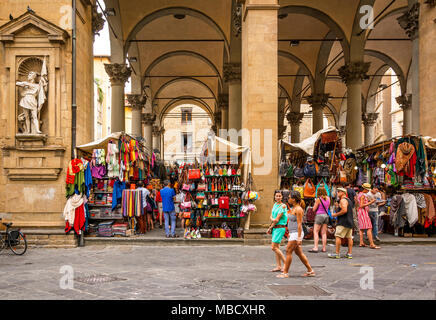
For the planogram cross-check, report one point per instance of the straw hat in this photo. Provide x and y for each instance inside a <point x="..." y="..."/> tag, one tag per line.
<point x="366" y="186"/>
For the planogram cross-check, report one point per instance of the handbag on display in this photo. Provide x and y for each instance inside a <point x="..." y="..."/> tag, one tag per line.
<point x="186" y="187"/>
<point x="309" y="189"/>
<point x="298" y="173"/>
<point x="187" y="203"/>
<point x="329" y="137"/>
<point x="324" y="171"/>
<point x="200" y="196"/>
<point x="201" y="187"/>
<point x="342" y="175"/>
<point x="194" y="174"/>
<point x="186" y="214"/>
<point x="310" y="170"/>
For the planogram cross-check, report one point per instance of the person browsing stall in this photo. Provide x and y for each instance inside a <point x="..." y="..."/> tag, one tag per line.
<point x="168" y="197"/>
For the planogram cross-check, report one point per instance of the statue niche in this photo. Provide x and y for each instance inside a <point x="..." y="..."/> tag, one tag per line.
<point x="32" y="95"/>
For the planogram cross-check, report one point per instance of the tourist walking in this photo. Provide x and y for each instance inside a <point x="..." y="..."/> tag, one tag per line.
<point x="344" y="224"/>
<point x="363" y="216"/>
<point x="168" y="197"/>
<point x="277" y="228"/>
<point x="322" y="203"/>
<point x="296" y="234"/>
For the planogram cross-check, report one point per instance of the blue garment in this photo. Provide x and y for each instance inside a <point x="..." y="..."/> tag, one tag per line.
<point x="117" y="193"/>
<point x="86" y="217"/>
<point x="170" y="215"/>
<point x="88" y="179"/>
<point x="167" y="195"/>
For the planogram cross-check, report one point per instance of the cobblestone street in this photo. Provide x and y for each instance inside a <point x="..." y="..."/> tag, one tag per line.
<point x="214" y="272"/>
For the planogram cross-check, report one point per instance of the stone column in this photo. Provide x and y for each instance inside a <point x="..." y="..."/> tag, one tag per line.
<point x="137" y="101"/>
<point x="352" y="75"/>
<point x="156" y="131"/>
<point x="118" y="74"/>
<point x="295" y="119"/>
<point x="405" y="102"/>
<point x="148" y="120"/>
<point x="409" y="21"/>
<point x="223" y="105"/>
<point x="232" y="75"/>
<point x="260" y="98"/>
<point x="318" y="101"/>
<point x="369" y="120"/>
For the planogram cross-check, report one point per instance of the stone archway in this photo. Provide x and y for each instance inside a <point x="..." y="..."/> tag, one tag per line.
<point x="176" y="10"/>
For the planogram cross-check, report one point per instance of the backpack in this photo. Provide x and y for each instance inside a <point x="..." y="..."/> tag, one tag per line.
<point x="309" y="170"/>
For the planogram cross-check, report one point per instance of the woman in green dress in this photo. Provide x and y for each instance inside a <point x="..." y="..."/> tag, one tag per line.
<point x="277" y="229"/>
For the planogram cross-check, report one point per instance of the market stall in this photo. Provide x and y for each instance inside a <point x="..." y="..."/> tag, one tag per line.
<point x="405" y="169"/>
<point x="102" y="179"/>
<point x="308" y="165"/>
<point x="216" y="200"/>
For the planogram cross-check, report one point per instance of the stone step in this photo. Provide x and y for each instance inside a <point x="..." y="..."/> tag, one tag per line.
<point x="159" y="241"/>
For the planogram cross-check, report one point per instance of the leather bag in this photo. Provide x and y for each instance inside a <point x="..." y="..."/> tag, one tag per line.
<point x="309" y="189"/>
<point x="194" y="174"/>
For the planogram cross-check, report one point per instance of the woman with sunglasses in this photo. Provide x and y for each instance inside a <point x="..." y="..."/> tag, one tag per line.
<point x="277" y="228"/>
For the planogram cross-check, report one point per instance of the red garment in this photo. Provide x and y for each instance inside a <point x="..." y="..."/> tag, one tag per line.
<point x="411" y="166"/>
<point x="158" y="197"/>
<point x="79" y="220"/>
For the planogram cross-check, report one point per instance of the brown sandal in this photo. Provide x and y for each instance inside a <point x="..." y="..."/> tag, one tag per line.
<point x="277" y="270"/>
<point x="362" y="245"/>
<point x="309" y="274"/>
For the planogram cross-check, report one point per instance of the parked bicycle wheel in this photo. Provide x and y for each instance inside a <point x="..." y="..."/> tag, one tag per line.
<point x="17" y="242"/>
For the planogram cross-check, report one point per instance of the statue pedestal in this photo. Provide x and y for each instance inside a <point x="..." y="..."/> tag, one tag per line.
<point x="31" y="140"/>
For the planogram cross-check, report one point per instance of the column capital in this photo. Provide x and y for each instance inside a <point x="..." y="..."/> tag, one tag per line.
<point x="354" y="71"/>
<point x="137" y="101"/>
<point x="369" y="119"/>
<point x="148" y="118"/>
<point x="318" y="99"/>
<point x="232" y="72"/>
<point x="405" y="101"/>
<point x="409" y="21"/>
<point x="295" y="118"/>
<point x="118" y="73"/>
<point x="157" y="131"/>
<point x="223" y="101"/>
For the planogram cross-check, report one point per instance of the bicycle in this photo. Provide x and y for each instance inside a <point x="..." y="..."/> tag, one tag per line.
<point x="14" y="239"/>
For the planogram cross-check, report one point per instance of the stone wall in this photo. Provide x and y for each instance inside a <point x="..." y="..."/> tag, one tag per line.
<point x="32" y="170"/>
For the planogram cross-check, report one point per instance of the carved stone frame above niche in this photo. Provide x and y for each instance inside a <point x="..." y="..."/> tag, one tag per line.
<point x="37" y="154"/>
<point x="27" y="40"/>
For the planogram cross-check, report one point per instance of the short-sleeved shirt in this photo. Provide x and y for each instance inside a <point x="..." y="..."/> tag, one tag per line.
<point x="167" y="195"/>
<point x="280" y="209"/>
<point x="145" y="193"/>
<point x="377" y="197"/>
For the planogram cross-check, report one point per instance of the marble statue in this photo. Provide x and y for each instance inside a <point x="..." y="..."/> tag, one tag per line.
<point x="33" y="97"/>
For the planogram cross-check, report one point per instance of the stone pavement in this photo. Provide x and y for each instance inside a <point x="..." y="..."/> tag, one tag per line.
<point x="214" y="272"/>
